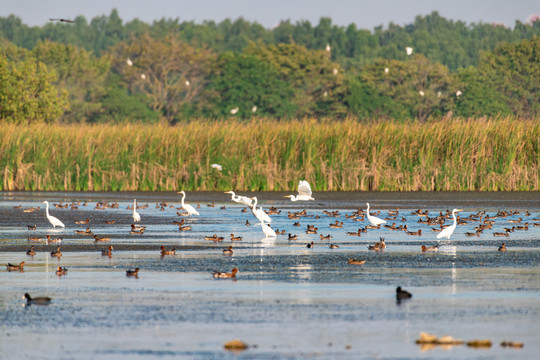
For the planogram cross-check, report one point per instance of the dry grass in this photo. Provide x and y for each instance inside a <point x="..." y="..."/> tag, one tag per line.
<point x="443" y="155"/>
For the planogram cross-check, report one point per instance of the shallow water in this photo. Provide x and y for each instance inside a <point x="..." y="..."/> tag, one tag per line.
<point x="288" y="301"/>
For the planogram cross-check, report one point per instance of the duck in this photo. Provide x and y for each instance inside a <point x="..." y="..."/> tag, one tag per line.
<point x="107" y="252"/>
<point x="524" y="227"/>
<point x="373" y="227"/>
<point x="430" y="248"/>
<point x="11" y="267"/>
<point x="515" y="221"/>
<point x="225" y="275"/>
<point x="102" y="238"/>
<point x="32" y="227"/>
<point x="378" y="246"/>
<point x="327" y="237"/>
<point x="110" y="222"/>
<point x="310" y="245"/>
<point x="419" y="232"/>
<point x="53" y="241"/>
<point x="502" y="247"/>
<point x="235" y="238"/>
<point x="56" y="253"/>
<point x="354" y="233"/>
<point x="356" y="262"/>
<point x="84" y="232"/>
<point x="167" y="252"/>
<point x="137" y="232"/>
<point x="211" y="237"/>
<point x="333" y="246"/>
<point x="42" y="300"/>
<point x="402" y="294"/>
<point x="501" y="233"/>
<point x="184" y="228"/>
<point x="61" y="271"/>
<point x="31" y="252"/>
<point x="138" y="228"/>
<point x="476" y="233"/>
<point x="82" y="222"/>
<point x="247" y="223"/>
<point x="228" y="251"/>
<point x="134" y="273"/>
<point x="293" y="237"/>
<point x="336" y="225"/>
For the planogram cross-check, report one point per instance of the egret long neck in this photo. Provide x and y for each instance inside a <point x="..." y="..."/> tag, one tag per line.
<point x="47" y="209"/>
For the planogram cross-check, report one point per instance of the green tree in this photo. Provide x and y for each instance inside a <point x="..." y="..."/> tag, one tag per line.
<point x="27" y="93"/>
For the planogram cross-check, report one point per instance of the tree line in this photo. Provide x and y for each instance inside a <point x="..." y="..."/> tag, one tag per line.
<point x="106" y="70"/>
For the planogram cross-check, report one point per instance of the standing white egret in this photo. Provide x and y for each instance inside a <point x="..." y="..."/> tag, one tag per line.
<point x="448" y="231"/>
<point x="267" y="230"/>
<point x="259" y="213"/>
<point x="375" y="221"/>
<point x="136" y="215"/>
<point x="190" y="209"/>
<point x="304" y="192"/>
<point x="240" y="199"/>
<point x="54" y="221"/>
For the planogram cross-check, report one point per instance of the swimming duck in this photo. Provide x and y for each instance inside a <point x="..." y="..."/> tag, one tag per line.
<point x="327" y="237"/>
<point x="137" y="228"/>
<point x="228" y="251"/>
<point x="336" y="225"/>
<point x="515" y="221"/>
<point x="61" y="271"/>
<point x="356" y="262"/>
<point x="107" y="252"/>
<point x="224" y="275"/>
<point x="524" y="227"/>
<point x="167" y="252"/>
<point x="11" y="267"/>
<point x="310" y="245"/>
<point x="31" y="252"/>
<point x="430" y="248"/>
<point x="32" y="227"/>
<point x="293" y="237"/>
<point x="134" y="273"/>
<point x="235" y="238"/>
<point x="502" y="247"/>
<point x="419" y="232"/>
<point x="402" y="294"/>
<point x="476" y="233"/>
<point x="37" y="300"/>
<point x="102" y="238"/>
<point x="82" y="222"/>
<point x="333" y="246"/>
<point x="56" y="253"/>
<point x="247" y="223"/>
<point x="53" y="241"/>
<point x="501" y="233"/>
<point x="109" y="222"/>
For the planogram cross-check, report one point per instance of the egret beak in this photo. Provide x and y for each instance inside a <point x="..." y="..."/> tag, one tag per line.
<point x="459" y="209"/>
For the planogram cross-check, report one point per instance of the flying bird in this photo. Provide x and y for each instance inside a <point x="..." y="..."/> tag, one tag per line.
<point x="304" y="192"/>
<point x="62" y="20"/>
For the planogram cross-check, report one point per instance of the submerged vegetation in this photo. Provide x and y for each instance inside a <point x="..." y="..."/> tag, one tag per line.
<point x="450" y="154"/>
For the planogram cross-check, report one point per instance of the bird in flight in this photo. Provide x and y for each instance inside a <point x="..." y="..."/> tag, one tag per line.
<point x="62" y="20"/>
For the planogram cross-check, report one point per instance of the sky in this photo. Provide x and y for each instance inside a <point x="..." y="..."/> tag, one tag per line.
<point x="365" y="14"/>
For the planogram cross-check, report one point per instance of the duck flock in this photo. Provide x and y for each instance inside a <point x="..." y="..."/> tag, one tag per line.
<point x="436" y="226"/>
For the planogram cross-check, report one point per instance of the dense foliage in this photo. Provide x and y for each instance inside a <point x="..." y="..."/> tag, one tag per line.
<point x="105" y="70"/>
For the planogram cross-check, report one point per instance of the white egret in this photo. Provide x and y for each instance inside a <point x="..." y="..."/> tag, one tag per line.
<point x="240" y="199"/>
<point x="190" y="209"/>
<point x="136" y="215"/>
<point x="458" y="93"/>
<point x="254" y="108"/>
<point x="375" y="221"/>
<point x="259" y="213"/>
<point x="217" y="167"/>
<point x="54" y="221"/>
<point x="129" y="62"/>
<point x="386" y="70"/>
<point x="448" y="231"/>
<point x="234" y="111"/>
<point x="421" y="93"/>
<point x="187" y="83"/>
<point x="267" y="230"/>
<point x="325" y="94"/>
<point x="143" y="76"/>
<point x="328" y="48"/>
<point x="304" y="192"/>
<point x="335" y="71"/>
<point x="409" y="50"/>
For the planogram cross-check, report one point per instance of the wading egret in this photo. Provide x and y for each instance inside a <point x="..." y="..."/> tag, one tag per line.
<point x="259" y="213"/>
<point x="190" y="209"/>
<point x="54" y="221"/>
<point x="240" y="199"/>
<point x="304" y="192"/>
<point x="136" y="216"/>
<point x="375" y="221"/>
<point x="447" y="232"/>
<point x="267" y="230"/>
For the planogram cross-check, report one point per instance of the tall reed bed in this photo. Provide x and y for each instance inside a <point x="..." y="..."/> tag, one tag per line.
<point x="443" y="155"/>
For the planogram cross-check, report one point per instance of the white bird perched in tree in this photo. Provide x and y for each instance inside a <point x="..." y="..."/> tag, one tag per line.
<point x="328" y="48"/>
<point x="129" y="62"/>
<point x="267" y="230"/>
<point x="448" y="231"/>
<point x="240" y="199"/>
<point x="143" y="76"/>
<point x="409" y="50"/>
<point x="304" y="192"/>
<point x="386" y="70"/>
<point x="54" y="221"/>
<point x="259" y="213"/>
<point x="190" y="209"/>
<point x="375" y="221"/>
<point x="458" y="93"/>
<point x="254" y="108"/>
<point x="335" y="71"/>
<point x="187" y="83"/>
<point x="136" y="215"/>
<point x="421" y="93"/>
<point x="234" y="111"/>
<point x="217" y="167"/>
